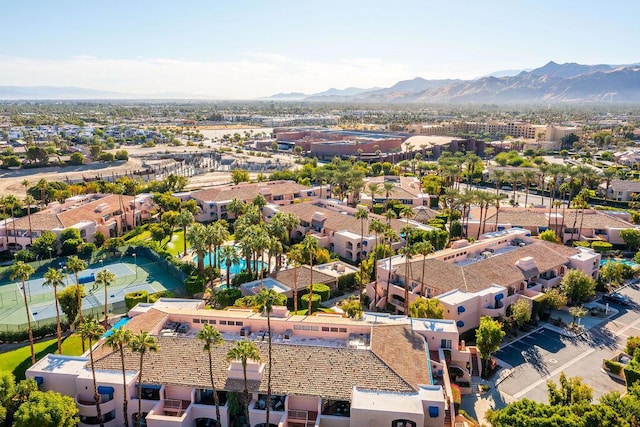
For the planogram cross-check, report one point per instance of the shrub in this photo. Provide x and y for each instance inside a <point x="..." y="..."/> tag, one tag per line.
<point x="581" y="244"/>
<point x="347" y="281"/>
<point x="162" y="294"/>
<point x="106" y="157"/>
<point x="378" y="209"/>
<point x="456" y="395"/>
<point x="25" y="255"/>
<point x="227" y="297"/>
<point x="315" y="302"/>
<point x="614" y="367"/>
<point x="242" y="277"/>
<point x="632" y="344"/>
<point x="320" y="289"/>
<point x="194" y="285"/>
<point x="133" y="298"/>
<point x="601" y="246"/>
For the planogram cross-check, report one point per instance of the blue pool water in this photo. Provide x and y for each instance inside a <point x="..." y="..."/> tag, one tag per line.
<point x="235" y="268"/>
<point x="619" y="261"/>
<point x="120" y="322"/>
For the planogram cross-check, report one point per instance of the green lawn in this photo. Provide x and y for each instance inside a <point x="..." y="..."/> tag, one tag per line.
<point x="19" y="360"/>
<point x="174" y="247"/>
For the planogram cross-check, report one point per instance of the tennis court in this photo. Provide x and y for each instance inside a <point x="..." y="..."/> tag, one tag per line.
<point x="132" y="274"/>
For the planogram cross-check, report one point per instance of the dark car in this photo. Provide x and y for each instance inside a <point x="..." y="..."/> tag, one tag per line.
<point x="616" y="298"/>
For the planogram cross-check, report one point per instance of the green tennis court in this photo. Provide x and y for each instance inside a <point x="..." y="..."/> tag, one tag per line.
<point x="132" y="274"/>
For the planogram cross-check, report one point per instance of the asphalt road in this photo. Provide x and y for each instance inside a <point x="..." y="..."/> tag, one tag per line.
<point x="543" y="355"/>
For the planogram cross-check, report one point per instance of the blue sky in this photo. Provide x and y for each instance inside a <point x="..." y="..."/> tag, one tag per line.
<point x="249" y="49"/>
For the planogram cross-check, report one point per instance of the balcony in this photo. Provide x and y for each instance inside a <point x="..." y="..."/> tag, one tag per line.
<point x="301" y="418"/>
<point x="493" y="312"/>
<point x="169" y="411"/>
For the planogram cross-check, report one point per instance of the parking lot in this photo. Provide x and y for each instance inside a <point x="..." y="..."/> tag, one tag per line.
<point x="544" y="354"/>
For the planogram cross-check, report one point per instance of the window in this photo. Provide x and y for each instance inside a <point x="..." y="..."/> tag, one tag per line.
<point x="211" y="322"/>
<point x="403" y="423"/>
<point x="445" y="343"/>
<point x="223" y="322"/>
<point x="239" y="323"/>
<point x="196" y="320"/>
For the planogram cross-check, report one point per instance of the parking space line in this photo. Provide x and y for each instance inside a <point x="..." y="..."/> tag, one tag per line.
<point x="569" y="363"/>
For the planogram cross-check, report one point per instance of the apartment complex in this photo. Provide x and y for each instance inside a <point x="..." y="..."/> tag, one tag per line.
<point x="569" y="224"/>
<point x="481" y="278"/>
<point x="213" y="202"/>
<point x="336" y="228"/>
<point x="90" y="213"/>
<point x="406" y="190"/>
<point x="328" y="371"/>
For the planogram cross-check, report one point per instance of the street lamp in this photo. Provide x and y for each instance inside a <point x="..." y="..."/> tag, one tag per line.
<point x="135" y="261"/>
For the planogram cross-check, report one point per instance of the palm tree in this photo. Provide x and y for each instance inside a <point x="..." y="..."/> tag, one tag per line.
<point x="465" y="200"/>
<point x="374" y="188"/>
<point x="265" y="301"/>
<point x="243" y="351"/>
<point x="499" y="176"/>
<point x="515" y="176"/>
<point x="76" y="265"/>
<point x="106" y="278"/>
<point x="220" y="236"/>
<point x="377" y="227"/>
<point x="91" y="330"/>
<point x="296" y="256"/>
<point x="388" y="186"/>
<point x="496" y="200"/>
<point x="390" y="235"/>
<point x="212" y="337"/>
<point x="236" y="207"/>
<point x="423" y="248"/>
<point x="229" y="255"/>
<point x="29" y="201"/>
<point x="310" y="246"/>
<point x="55" y="278"/>
<point x="408" y="251"/>
<point x="608" y="174"/>
<point x="142" y="343"/>
<point x="362" y="213"/>
<point x="197" y="238"/>
<point x="389" y="215"/>
<point x="12" y="202"/>
<point x="118" y="340"/>
<point x="23" y="271"/>
<point x="42" y="185"/>
<point x="184" y="219"/>
<point x="529" y="177"/>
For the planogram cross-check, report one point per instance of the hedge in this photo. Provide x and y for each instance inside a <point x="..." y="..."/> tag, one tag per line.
<point x="320" y="289"/>
<point x="346" y="281"/>
<point x="601" y="246"/>
<point x="378" y="209"/>
<point x="315" y="303"/>
<point x="631" y="375"/>
<point x="162" y="294"/>
<point x="133" y="298"/>
<point x="38" y="332"/>
<point x="194" y="284"/>
<point x="614" y="367"/>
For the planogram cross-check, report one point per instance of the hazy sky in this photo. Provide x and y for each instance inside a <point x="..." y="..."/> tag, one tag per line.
<point x="249" y="49"/>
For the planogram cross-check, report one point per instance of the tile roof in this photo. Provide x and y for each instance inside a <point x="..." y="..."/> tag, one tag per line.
<point x="531" y="217"/>
<point x="499" y="269"/>
<point x="247" y="191"/>
<point x="624" y="186"/>
<point x="39" y="222"/>
<point x="288" y="277"/>
<point x="337" y="221"/>
<point x="328" y="372"/>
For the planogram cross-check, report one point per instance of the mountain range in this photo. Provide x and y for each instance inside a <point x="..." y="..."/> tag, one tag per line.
<point x="553" y="82"/>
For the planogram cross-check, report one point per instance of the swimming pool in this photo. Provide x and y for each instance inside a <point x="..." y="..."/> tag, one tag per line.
<point x="118" y="324"/>
<point x="235" y="268"/>
<point x="252" y="288"/>
<point x="619" y="261"/>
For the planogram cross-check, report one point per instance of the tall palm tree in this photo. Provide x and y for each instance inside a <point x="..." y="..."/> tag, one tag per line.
<point x="105" y="278"/>
<point x="374" y="188"/>
<point x="220" y="236"/>
<point x="466" y="199"/>
<point x="118" y="340"/>
<point x="265" y="300"/>
<point x="295" y="255"/>
<point x="515" y="176"/>
<point x="310" y="246"/>
<point x="236" y="207"/>
<point x="389" y="215"/>
<point x="423" y="248"/>
<point x="23" y="271"/>
<point x="362" y="213"/>
<point x="142" y="344"/>
<point x="390" y="235"/>
<point x="43" y="186"/>
<point x="229" y="255"/>
<point x="529" y="177"/>
<point x="212" y="337"/>
<point x="76" y="265"/>
<point x="407" y="251"/>
<point x="29" y="201"/>
<point x="497" y="199"/>
<point x="55" y="278"/>
<point x="91" y="330"/>
<point x="12" y="202"/>
<point x="499" y="176"/>
<point x="184" y="220"/>
<point x="388" y="186"/>
<point x="243" y="351"/>
<point x="197" y="238"/>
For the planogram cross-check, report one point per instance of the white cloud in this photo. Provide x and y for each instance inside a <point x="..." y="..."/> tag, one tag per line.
<point x="255" y="75"/>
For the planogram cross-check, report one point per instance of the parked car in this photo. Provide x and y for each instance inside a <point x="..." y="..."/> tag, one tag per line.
<point x="617" y="298"/>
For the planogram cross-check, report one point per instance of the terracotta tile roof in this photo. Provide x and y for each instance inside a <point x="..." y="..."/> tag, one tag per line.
<point x="247" y="191"/>
<point x="337" y="221"/>
<point x="528" y="217"/>
<point x="39" y="222"/>
<point x="499" y="269"/>
<point x="88" y="212"/>
<point x="624" y="186"/>
<point x="287" y="277"/>
<point x="327" y="372"/>
<point x="146" y="321"/>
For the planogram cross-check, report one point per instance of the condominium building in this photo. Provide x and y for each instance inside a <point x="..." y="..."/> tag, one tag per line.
<point x="327" y="370"/>
<point x="481" y="278"/>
